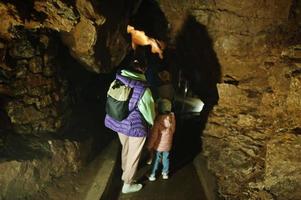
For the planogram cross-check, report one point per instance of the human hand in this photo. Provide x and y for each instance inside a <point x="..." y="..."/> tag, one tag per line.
<point x="140" y="38"/>
<point x="156" y="47"/>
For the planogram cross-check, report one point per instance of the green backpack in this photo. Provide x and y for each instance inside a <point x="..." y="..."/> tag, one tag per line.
<point x="117" y="104"/>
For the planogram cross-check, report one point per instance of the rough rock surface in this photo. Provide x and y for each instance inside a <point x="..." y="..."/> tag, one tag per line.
<point x="282" y="172"/>
<point x="83" y="24"/>
<point x="37" y="90"/>
<point x="27" y="175"/>
<point x="252" y="136"/>
<point x="36" y="96"/>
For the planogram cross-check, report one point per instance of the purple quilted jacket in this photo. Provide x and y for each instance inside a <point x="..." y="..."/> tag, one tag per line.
<point x="134" y="125"/>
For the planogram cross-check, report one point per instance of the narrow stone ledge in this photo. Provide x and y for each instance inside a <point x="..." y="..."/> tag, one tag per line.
<point x="105" y="165"/>
<point x="207" y="179"/>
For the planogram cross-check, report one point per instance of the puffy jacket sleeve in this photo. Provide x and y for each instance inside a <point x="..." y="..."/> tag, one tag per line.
<point x="153" y="135"/>
<point x="146" y="106"/>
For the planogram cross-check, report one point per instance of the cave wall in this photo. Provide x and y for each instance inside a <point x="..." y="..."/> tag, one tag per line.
<point x="252" y="136"/>
<point x="37" y="105"/>
<point x="37" y="140"/>
<point x="94" y="31"/>
<point x="41" y="161"/>
<point x="37" y="89"/>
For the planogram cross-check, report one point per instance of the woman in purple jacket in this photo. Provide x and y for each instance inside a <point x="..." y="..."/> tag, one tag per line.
<point x="133" y="130"/>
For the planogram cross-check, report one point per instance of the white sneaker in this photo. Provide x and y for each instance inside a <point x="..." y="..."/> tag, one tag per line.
<point x="152" y="177"/>
<point x="164" y="175"/>
<point x="128" y="188"/>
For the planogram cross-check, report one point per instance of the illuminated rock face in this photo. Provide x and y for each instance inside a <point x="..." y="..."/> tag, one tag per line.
<point x="88" y="28"/>
<point x="252" y="136"/>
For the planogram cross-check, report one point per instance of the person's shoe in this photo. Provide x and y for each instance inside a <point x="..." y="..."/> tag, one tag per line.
<point x="129" y="188"/>
<point x="164" y="175"/>
<point x="152" y="177"/>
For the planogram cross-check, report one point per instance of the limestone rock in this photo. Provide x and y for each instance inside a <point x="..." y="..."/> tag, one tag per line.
<point x="294" y="95"/>
<point x="80" y="23"/>
<point x="259" y="92"/>
<point x="36" y="65"/>
<point x="293" y="52"/>
<point x="87" y="10"/>
<point x="9" y="18"/>
<point x="52" y="159"/>
<point x="34" y="84"/>
<point x="11" y="169"/>
<point x="81" y="40"/>
<point x="283" y="166"/>
<point x="257" y="8"/>
<point x="22" y="49"/>
<point x="59" y="15"/>
<point x="231" y="95"/>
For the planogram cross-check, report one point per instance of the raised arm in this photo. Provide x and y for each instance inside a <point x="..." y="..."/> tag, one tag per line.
<point x="140" y="38"/>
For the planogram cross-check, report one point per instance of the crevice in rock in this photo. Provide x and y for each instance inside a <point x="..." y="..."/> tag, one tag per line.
<point x="297" y="131"/>
<point x="296" y="73"/>
<point x="230" y="80"/>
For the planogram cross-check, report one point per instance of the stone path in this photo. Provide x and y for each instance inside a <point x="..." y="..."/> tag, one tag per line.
<point x="182" y="185"/>
<point x="184" y="182"/>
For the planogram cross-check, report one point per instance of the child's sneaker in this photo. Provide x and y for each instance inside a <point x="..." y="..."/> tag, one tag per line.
<point x="128" y="188"/>
<point x="164" y="175"/>
<point x="152" y="177"/>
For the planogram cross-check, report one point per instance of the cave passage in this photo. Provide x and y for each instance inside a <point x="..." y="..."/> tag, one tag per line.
<point x="195" y="72"/>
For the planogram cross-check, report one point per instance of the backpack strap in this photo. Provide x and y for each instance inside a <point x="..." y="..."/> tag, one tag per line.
<point x="130" y="82"/>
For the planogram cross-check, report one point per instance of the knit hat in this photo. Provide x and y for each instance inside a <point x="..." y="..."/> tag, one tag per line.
<point x="164" y="106"/>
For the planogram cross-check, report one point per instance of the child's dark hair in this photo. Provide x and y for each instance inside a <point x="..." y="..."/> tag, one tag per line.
<point x="139" y="60"/>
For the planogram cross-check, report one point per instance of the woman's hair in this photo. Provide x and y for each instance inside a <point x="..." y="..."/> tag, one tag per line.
<point x="139" y="60"/>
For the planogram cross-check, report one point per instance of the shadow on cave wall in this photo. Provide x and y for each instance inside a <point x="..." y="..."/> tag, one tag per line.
<point x="193" y="59"/>
<point x="88" y="93"/>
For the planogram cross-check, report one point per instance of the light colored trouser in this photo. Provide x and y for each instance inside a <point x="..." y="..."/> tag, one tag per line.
<point x="130" y="155"/>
